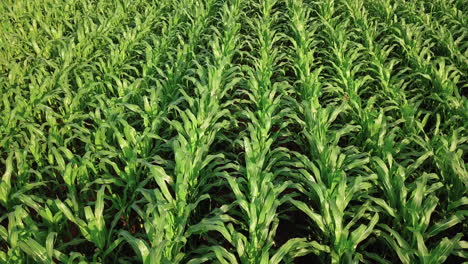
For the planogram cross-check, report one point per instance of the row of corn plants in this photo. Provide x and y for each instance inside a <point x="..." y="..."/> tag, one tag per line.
<point x="257" y="185"/>
<point x="334" y="177"/>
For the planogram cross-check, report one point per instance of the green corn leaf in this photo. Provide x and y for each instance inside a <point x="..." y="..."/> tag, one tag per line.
<point x="138" y="246"/>
<point x="317" y="218"/>
<point x="35" y="250"/>
<point x="445" y="224"/>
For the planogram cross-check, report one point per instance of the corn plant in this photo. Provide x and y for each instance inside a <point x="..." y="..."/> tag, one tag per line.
<point x="94" y="228"/>
<point x="412" y="208"/>
<point x="23" y="239"/>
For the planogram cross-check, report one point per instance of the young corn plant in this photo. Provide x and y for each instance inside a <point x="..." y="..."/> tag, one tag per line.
<point x="411" y="207"/>
<point x="24" y="242"/>
<point x="448" y="158"/>
<point x="93" y="228"/>
<point x="15" y="193"/>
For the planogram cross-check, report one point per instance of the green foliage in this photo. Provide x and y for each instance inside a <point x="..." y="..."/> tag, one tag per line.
<point x="241" y="131"/>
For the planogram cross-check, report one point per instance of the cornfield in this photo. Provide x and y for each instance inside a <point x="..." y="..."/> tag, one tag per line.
<point x="233" y="131"/>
